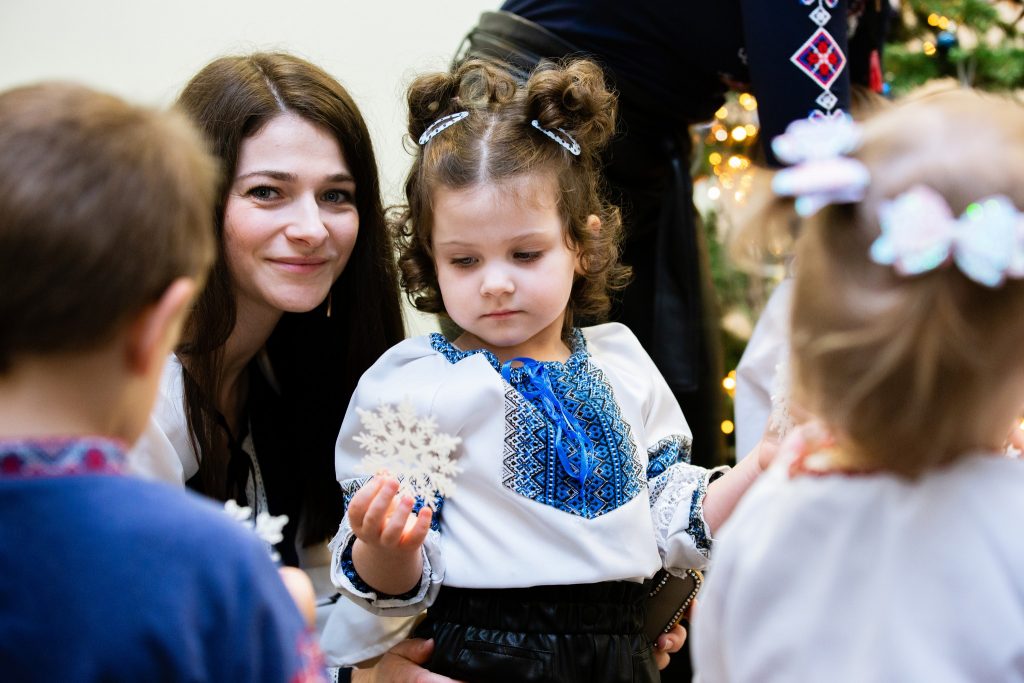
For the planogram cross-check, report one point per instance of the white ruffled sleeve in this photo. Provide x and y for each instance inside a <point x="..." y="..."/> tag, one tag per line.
<point x="164" y="452"/>
<point x="411" y="372"/>
<point x="758" y="384"/>
<point x="676" y="487"/>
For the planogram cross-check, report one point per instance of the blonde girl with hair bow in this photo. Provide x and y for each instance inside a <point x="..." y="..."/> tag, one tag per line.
<point x="882" y="543"/>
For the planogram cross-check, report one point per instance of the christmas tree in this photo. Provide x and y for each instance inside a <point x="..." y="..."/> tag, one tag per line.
<point x="977" y="42"/>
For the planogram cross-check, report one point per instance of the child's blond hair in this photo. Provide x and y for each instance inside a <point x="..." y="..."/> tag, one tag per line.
<point x="912" y="371"/>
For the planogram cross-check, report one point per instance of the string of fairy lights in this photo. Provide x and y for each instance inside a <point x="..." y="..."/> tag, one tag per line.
<point x="728" y="143"/>
<point x="723" y="178"/>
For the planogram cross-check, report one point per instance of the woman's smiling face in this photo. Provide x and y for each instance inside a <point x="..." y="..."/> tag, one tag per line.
<point x="290" y="219"/>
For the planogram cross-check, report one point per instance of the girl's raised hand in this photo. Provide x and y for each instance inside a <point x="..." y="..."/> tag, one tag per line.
<point x="386" y="553"/>
<point x="383" y="520"/>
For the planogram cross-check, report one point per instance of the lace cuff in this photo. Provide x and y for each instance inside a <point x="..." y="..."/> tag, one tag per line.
<point x="677" y="509"/>
<point x="347" y="580"/>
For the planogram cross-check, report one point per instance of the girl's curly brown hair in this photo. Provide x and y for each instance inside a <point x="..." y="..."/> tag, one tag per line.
<point x="496" y="143"/>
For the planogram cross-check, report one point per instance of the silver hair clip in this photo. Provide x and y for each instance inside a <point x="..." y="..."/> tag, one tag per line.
<point x="440" y="125"/>
<point x="565" y="140"/>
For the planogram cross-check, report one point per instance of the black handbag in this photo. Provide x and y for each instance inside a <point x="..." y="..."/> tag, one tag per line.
<point x="668" y="599"/>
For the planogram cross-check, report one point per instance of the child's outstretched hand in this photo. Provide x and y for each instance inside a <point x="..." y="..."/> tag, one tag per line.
<point x="380" y="518"/>
<point x="388" y="536"/>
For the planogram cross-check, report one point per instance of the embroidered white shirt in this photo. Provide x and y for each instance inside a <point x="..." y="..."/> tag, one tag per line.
<point x="513" y="520"/>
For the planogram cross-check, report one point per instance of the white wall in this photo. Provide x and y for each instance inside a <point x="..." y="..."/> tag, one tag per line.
<point x="146" y="50"/>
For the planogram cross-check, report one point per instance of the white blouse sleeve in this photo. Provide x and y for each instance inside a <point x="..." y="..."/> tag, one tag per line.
<point x="757" y="373"/>
<point x="676" y="488"/>
<point x="164" y="452"/>
<point x="408" y="372"/>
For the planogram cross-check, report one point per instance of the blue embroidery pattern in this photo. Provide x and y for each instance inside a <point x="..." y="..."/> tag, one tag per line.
<point x="667" y="452"/>
<point x="348" y="567"/>
<point x="531" y="466"/>
<point x="696" y="528"/>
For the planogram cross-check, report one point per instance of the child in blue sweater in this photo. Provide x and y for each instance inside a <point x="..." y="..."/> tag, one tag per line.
<point x="105" y="236"/>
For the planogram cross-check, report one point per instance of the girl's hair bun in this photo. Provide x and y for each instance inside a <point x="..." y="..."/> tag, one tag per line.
<point x="475" y="84"/>
<point x="573" y="96"/>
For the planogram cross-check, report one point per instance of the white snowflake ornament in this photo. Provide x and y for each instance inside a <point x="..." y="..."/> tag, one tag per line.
<point x="410" y="448"/>
<point x="267" y="527"/>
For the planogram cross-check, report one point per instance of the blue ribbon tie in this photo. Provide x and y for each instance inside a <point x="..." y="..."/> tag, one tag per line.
<point x="537" y="389"/>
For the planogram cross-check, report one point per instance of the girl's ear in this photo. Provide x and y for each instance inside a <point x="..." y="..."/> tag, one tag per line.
<point x="594" y="226"/>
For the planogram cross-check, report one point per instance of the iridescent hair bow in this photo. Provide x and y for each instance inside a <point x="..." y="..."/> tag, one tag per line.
<point x="920" y="233"/>
<point x="822" y="175"/>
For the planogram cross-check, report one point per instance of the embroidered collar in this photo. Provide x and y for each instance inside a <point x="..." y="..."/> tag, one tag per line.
<point x="577" y="356"/>
<point x="59" y="457"/>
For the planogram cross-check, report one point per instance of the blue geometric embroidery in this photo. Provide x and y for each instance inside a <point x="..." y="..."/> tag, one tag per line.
<point x="696" y="528"/>
<point x="348" y="567"/>
<point x="531" y="467"/>
<point x="667" y="452"/>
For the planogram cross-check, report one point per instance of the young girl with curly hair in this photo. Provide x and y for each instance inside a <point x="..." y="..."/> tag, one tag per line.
<point x="575" y="486"/>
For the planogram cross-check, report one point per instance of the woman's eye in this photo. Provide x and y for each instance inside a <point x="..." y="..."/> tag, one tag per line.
<point x="527" y="255"/>
<point x="263" y="192"/>
<point x="337" y="196"/>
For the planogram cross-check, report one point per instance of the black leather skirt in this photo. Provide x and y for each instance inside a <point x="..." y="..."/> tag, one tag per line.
<point x="546" y="634"/>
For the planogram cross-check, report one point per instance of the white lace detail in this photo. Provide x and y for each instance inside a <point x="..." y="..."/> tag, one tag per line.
<point x="255" y="490"/>
<point x="779" y="420"/>
<point x="677" y="510"/>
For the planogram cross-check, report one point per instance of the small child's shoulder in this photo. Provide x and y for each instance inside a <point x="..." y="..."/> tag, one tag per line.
<point x="193" y="534"/>
<point x="408" y="350"/>
<point x="413" y="369"/>
<point x="613" y="338"/>
<point x="609" y="332"/>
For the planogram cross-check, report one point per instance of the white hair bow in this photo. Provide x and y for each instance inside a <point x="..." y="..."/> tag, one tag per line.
<point x="920" y="233"/>
<point x="822" y="174"/>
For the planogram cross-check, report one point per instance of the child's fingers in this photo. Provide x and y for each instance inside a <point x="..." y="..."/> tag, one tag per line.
<point x="361" y="501"/>
<point x="376" y="513"/>
<point x="416" y="533"/>
<point x="391" y="534"/>
<point x="672" y="641"/>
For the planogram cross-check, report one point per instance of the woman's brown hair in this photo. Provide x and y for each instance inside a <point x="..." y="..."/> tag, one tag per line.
<point x="317" y="359"/>
<point x="495" y="144"/>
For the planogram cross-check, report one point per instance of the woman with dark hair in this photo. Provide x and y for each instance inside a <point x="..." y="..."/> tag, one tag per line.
<point x="302" y="299"/>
